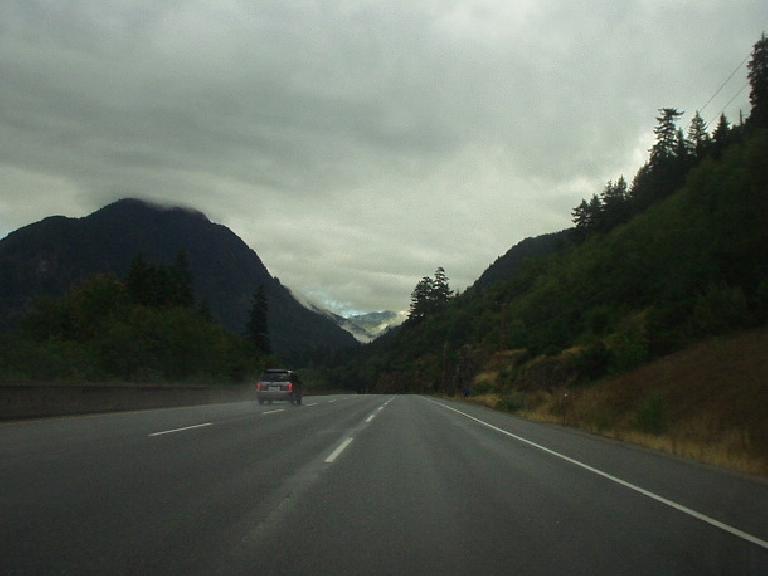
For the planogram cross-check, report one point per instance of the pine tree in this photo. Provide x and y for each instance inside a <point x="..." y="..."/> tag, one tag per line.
<point x="758" y="80"/>
<point x="441" y="291"/>
<point x="595" y="213"/>
<point x="258" y="329"/>
<point x="614" y="201"/>
<point x="682" y="146"/>
<point x="621" y="188"/>
<point x="580" y="219"/>
<point x="666" y="136"/>
<point x="697" y="134"/>
<point x="421" y="299"/>
<point x="721" y="135"/>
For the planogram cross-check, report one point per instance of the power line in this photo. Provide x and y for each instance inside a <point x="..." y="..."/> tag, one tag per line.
<point x="731" y="75"/>
<point x="729" y="102"/>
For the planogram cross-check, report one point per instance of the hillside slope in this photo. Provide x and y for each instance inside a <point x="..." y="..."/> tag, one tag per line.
<point x="705" y="402"/>
<point x="689" y="266"/>
<point x="505" y="267"/>
<point x="50" y="256"/>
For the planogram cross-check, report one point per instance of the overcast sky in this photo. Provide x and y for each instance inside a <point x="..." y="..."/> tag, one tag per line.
<point x="354" y="145"/>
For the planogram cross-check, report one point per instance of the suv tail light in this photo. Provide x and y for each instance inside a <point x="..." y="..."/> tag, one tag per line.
<point x="290" y="387"/>
<point x="261" y="386"/>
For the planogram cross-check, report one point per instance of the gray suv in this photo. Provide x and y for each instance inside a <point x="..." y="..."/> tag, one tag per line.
<point x="279" y="384"/>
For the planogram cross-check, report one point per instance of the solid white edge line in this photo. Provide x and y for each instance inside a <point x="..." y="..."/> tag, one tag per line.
<point x="339" y="449"/>
<point x="371" y="417"/>
<point x="274" y="411"/>
<point x="180" y="429"/>
<point x="679" y="507"/>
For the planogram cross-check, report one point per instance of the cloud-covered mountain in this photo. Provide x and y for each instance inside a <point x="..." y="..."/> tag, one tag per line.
<point x="365" y="327"/>
<point x="50" y="256"/>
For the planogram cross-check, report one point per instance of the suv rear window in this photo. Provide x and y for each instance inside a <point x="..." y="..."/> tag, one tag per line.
<point x="282" y="376"/>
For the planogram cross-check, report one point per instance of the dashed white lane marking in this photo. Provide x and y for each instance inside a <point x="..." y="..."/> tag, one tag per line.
<point x="310" y="405"/>
<point x="331" y="401"/>
<point x="653" y="496"/>
<point x="339" y="449"/>
<point x="375" y="413"/>
<point x="333" y="455"/>
<point x="274" y="411"/>
<point x="180" y="429"/>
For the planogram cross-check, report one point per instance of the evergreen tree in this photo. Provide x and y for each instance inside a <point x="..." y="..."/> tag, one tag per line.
<point x="721" y="135"/>
<point x="639" y="192"/>
<point x="666" y="136"/>
<point x="421" y="298"/>
<point x="758" y="79"/>
<point x="595" y="213"/>
<point x="580" y="219"/>
<point x="697" y="134"/>
<point x="258" y="330"/>
<point x="614" y="201"/>
<point x="441" y="291"/>
<point x="682" y="146"/>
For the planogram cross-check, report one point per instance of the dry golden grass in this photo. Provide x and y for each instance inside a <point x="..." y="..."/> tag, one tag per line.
<point x="485" y="379"/>
<point x="491" y="400"/>
<point x="708" y="403"/>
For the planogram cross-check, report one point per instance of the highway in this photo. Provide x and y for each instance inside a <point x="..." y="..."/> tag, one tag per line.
<point x="361" y="484"/>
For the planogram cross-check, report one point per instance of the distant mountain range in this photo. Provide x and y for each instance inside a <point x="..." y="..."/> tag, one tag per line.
<point x="365" y="327"/>
<point x="50" y="256"/>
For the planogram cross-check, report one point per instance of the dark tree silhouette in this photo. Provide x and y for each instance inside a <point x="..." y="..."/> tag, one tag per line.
<point x="152" y="285"/>
<point x="614" y="199"/>
<point x="758" y="79"/>
<point x="595" y="213"/>
<point x="421" y="298"/>
<point x="697" y="135"/>
<point x="666" y="136"/>
<point x="441" y="291"/>
<point x="580" y="219"/>
<point x="721" y="135"/>
<point x="257" y="327"/>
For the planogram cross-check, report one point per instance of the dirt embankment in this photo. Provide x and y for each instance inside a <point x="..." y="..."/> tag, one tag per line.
<point x="708" y="402"/>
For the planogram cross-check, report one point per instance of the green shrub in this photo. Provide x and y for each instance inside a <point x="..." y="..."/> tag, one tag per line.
<point x="514" y="401"/>
<point x="629" y="347"/>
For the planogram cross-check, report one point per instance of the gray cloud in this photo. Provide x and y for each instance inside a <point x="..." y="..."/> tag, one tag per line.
<point x="354" y="145"/>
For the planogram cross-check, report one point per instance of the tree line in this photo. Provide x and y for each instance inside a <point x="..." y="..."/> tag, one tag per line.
<point x="147" y="326"/>
<point x="672" y="156"/>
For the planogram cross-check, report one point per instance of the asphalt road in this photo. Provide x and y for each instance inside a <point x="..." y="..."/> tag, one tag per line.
<point x="361" y="485"/>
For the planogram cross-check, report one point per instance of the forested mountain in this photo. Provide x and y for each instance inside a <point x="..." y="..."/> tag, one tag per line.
<point x="505" y="267"/>
<point x="53" y="255"/>
<point x="649" y="268"/>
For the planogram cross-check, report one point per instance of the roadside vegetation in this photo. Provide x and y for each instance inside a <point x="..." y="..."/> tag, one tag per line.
<point x="144" y="328"/>
<point x="706" y="402"/>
